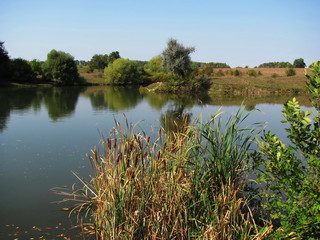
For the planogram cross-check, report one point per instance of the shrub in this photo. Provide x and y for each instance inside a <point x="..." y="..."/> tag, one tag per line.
<point x="237" y="73"/>
<point x="219" y="73"/>
<point x="290" y="72"/>
<point x="290" y="174"/>
<point x="252" y="73"/>
<point x="123" y="71"/>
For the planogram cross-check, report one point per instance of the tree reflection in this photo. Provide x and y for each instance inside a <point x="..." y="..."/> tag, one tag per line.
<point x="115" y="98"/>
<point x="18" y="99"/>
<point x="61" y="102"/>
<point x="175" y="119"/>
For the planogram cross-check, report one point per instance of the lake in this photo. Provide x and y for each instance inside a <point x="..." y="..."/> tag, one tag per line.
<point x="45" y="133"/>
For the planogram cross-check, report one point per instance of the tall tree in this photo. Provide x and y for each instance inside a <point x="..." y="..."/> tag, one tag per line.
<point x="299" y="63"/>
<point x="99" y="61"/>
<point x="176" y="58"/>
<point x="4" y="61"/>
<point x="60" y="67"/>
<point x="113" y="56"/>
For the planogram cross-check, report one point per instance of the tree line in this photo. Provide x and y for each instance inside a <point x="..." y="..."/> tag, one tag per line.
<point x="297" y="63"/>
<point x="173" y="67"/>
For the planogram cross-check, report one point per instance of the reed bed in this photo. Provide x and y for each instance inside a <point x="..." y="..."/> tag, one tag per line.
<point x="188" y="184"/>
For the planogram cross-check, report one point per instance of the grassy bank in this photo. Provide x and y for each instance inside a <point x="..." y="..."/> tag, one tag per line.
<point x="267" y="80"/>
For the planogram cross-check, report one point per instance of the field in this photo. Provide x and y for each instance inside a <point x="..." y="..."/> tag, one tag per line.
<point x="267" y="80"/>
<point x="224" y="81"/>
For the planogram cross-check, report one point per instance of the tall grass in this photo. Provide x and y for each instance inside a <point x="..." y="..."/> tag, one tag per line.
<point x="185" y="185"/>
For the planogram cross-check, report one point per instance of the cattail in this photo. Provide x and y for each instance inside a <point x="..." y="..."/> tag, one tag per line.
<point x="109" y="143"/>
<point x="115" y="143"/>
<point x="135" y="160"/>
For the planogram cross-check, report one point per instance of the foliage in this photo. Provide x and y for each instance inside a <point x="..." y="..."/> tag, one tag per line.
<point x="252" y="73"/>
<point x="219" y="73"/>
<point x="136" y="185"/>
<point x="113" y="56"/>
<point x="98" y="61"/>
<point x="123" y="71"/>
<point x="207" y="69"/>
<point x="219" y="65"/>
<point x="176" y="59"/>
<point x="4" y="61"/>
<point x="290" y="72"/>
<point x="61" y="68"/>
<point x="36" y="66"/>
<point x="291" y="174"/>
<point x="237" y="73"/>
<point x="21" y="71"/>
<point x="299" y="63"/>
<point x="276" y="65"/>
<point x="154" y="66"/>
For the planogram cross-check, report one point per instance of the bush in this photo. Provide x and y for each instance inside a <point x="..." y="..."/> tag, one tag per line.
<point x="252" y="73"/>
<point x="123" y="71"/>
<point x="290" y="174"/>
<point x="219" y="73"/>
<point x="275" y="75"/>
<point x="237" y="73"/>
<point x="290" y="72"/>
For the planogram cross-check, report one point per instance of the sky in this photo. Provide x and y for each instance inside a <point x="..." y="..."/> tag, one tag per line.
<point x="236" y="32"/>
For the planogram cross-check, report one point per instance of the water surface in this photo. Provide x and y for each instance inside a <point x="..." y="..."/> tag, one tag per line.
<point x="45" y="133"/>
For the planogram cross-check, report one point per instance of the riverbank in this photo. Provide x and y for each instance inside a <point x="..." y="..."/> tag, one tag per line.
<point x="224" y="81"/>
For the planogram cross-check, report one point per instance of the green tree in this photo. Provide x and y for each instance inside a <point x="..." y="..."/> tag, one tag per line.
<point x="113" y="56"/>
<point x="36" y="66"/>
<point x="176" y="59"/>
<point x="154" y="65"/>
<point x="290" y="175"/>
<point x="21" y="71"/>
<point x="123" y="71"/>
<point x="299" y="63"/>
<point x="61" y="68"/>
<point x="4" y="61"/>
<point x="99" y="61"/>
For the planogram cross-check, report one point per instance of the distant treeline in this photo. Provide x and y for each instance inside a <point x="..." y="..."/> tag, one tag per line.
<point x="298" y="63"/>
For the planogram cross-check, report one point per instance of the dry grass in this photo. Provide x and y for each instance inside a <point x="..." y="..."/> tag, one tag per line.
<point x="185" y="185"/>
<point x="271" y="80"/>
<point x="94" y="78"/>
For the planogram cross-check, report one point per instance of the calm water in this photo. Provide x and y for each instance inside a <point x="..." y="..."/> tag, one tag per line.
<point x="45" y="133"/>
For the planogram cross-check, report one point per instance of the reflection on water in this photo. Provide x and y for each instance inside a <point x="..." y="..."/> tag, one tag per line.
<point x="46" y="132"/>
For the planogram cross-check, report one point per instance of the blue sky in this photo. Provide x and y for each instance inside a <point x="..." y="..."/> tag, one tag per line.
<point x="237" y="32"/>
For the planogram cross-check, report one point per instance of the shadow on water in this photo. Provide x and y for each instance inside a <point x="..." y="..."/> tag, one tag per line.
<point x="59" y="102"/>
<point x="113" y="98"/>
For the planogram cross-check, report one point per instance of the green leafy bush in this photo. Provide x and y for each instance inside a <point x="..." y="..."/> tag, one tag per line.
<point x="237" y="73"/>
<point x="290" y="72"/>
<point x="252" y="73"/>
<point x="123" y="71"/>
<point x="290" y="173"/>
